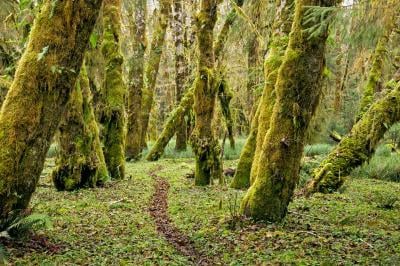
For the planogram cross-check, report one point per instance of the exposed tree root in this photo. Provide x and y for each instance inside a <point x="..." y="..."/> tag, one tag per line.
<point x="159" y="211"/>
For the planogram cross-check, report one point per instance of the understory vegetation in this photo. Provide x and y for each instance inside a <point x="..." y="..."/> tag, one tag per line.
<point x="112" y="225"/>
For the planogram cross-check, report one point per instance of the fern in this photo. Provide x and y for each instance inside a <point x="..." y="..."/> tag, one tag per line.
<point x="3" y="255"/>
<point x="19" y="226"/>
<point x="320" y="19"/>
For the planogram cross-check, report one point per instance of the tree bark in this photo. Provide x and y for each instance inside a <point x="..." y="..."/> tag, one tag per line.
<point x="181" y="71"/>
<point x="205" y="146"/>
<point x="135" y="85"/>
<point x="152" y="67"/>
<point x="186" y="104"/>
<point x="247" y="168"/>
<point x="297" y="95"/>
<point x="113" y="114"/>
<point x="44" y="79"/>
<point x="359" y="145"/>
<point x="80" y="162"/>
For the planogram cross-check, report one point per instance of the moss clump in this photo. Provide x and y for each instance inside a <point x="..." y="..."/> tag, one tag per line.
<point x="113" y="114"/>
<point x="358" y="146"/>
<point x="297" y="95"/>
<point x="35" y="103"/>
<point x="80" y="160"/>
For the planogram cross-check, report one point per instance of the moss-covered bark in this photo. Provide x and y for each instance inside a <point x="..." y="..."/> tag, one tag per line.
<point x="113" y="114"/>
<point x="181" y="71"/>
<point x="80" y="160"/>
<point x="170" y="127"/>
<point x="241" y="180"/>
<point x="297" y="95"/>
<point x="152" y="67"/>
<point x="205" y="146"/>
<point x="135" y="85"/>
<point x="374" y="82"/>
<point x="4" y="87"/>
<point x="44" y="79"/>
<point x="359" y="145"/>
<point x="186" y="103"/>
<point x="247" y="170"/>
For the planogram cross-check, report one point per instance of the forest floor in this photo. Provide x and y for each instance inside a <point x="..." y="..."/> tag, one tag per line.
<point x="116" y="225"/>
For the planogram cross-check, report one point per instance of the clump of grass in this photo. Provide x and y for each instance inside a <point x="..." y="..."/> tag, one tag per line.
<point x="384" y="165"/>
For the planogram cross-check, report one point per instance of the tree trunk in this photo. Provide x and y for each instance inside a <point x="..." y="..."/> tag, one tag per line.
<point x="152" y="67"/>
<point x="241" y="179"/>
<point x="186" y="103"/>
<point x="80" y="162"/>
<point x="44" y="79"/>
<point x="205" y="146"/>
<point x="247" y="170"/>
<point x="136" y="70"/>
<point x="180" y="71"/>
<point x="375" y="76"/>
<point x="297" y="95"/>
<point x="113" y="114"/>
<point x="359" y="145"/>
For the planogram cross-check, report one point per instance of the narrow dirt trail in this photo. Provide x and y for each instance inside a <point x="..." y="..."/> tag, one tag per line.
<point x="159" y="211"/>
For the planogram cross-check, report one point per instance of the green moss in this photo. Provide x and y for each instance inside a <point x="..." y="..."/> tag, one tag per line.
<point x="358" y="146"/>
<point x="374" y="82"/>
<point x="38" y="95"/>
<point x="80" y="159"/>
<point x="170" y="126"/>
<point x="297" y="95"/>
<point x="113" y="114"/>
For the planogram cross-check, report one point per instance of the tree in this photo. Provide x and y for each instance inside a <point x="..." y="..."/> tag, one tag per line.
<point x="261" y="122"/>
<point x="186" y="103"/>
<point x="205" y="145"/>
<point x="135" y="76"/>
<point x="297" y="94"/>
<point x="181" y="71"/>
<point x="152" y="67"/>
<point x="359" y="145"/>
<point x="36" y="102"/>
<point x="80" y="162"/>
<point x="113" y="114"/>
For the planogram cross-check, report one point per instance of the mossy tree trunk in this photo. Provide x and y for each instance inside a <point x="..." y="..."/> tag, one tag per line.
<point x="35" y="103"/>
<point x="186" y="103"/>
<point x="80" y="160"/>
<point x="181" y="71"/>
<point x="170" y="126"/>
<point x="297" y="90"/>
<point x="205" y="146"/>
<point x="247" y="170"/>
<point x="359" y="145"/>
<point x="152" y="67"/>
<point x="113" y="114"/>
<point x="375" y="76"/>
<point x="135" y="85"/>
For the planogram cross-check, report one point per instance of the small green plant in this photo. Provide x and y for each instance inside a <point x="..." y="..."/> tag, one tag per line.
<point x="234" y="214"/>
<point x="19" y="226"/>
<point x="385" y="200"/>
